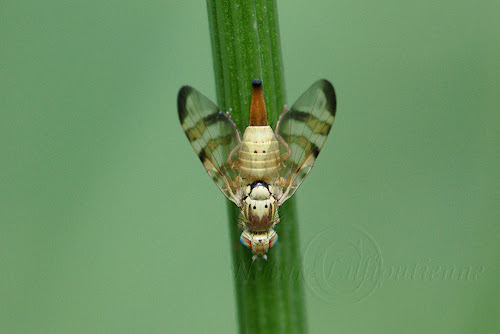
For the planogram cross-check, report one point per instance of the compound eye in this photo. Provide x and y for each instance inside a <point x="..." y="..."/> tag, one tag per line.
<point x="246" y="242"/>
<point x="273" y="241"/>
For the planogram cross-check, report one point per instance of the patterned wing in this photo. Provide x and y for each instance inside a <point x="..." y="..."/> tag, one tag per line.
<point x="214" y="138"/>
<point x="305" y="127"/>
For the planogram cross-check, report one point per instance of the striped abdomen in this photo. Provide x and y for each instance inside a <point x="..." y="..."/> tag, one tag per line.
<point x="259" y="154"/>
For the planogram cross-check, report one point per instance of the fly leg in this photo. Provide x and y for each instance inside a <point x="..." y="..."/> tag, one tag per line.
<point x="241" y="222"/>
<point x="284" y="156"/>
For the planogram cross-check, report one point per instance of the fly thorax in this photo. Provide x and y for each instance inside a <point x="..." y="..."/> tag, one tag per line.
<point x="259" y="207"/>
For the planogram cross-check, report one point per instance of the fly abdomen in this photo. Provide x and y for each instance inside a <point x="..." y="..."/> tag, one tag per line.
<point x="259" y="154"/>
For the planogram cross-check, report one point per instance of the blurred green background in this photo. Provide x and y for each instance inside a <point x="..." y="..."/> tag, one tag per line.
<point x="109" y="224"/>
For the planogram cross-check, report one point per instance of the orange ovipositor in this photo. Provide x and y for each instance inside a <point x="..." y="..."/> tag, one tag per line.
<point x="258" y="113"/>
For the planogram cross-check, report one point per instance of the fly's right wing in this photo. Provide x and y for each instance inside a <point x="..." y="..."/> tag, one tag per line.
<point x="305" y="127"/>
<point x="213" y="136"/>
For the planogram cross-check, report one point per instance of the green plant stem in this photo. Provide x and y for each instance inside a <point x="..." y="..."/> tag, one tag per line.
<point x="245" y="45"/>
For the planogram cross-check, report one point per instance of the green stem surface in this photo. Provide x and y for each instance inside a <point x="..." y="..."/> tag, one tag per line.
<point x="245" y="46"/>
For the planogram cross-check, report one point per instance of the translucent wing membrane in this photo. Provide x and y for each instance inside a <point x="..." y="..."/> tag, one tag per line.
<point x="213" y="136"/>
<point x="305" y="127"/>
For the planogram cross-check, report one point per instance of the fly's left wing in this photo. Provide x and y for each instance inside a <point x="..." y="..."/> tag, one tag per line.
<point x="213" y="136"/>
<point x="305" y="127"/>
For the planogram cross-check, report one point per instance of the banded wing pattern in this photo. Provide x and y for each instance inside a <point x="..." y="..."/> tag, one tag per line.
<point x="213" y="136"/>
<point x="305" y="127"/>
